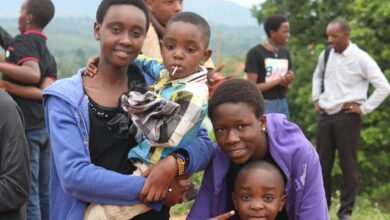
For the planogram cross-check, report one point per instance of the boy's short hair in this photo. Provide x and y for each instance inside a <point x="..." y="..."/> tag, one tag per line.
<point x="106" y="4"/>
<point x="41" y="10"/>
<point x="195" y="19"/>
<point x="237" y="91"/>
<point x="260" y="164"/>
<point x="273" y="23"/>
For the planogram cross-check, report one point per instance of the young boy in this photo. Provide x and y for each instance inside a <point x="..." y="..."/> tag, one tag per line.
<point x="33" y="69"/>
<point x="258" y="191"/>
<point x="182" y="81"/>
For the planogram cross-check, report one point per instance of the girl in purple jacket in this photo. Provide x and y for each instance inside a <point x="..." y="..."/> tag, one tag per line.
<point x="245" y="134"/>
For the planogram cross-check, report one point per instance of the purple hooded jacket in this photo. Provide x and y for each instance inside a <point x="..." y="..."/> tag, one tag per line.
<point x="295" y="156"/>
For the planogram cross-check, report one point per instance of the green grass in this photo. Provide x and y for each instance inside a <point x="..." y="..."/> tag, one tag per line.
<point x="365" y="209"/>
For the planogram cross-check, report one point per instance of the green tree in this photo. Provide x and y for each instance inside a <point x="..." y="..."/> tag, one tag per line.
<point x="368" y="19"/>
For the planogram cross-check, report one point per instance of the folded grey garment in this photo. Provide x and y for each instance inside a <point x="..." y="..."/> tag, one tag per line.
<point x="134" y="101"/>
<point x="151" y="115"/>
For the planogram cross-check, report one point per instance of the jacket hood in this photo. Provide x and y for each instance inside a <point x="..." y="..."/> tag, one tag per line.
<point x="69" y="89"/>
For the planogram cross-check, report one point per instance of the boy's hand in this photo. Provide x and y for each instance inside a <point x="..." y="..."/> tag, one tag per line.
<point x="92" y="64"/>
<point x="159" y="178"/>
<point x="224" y="216"/>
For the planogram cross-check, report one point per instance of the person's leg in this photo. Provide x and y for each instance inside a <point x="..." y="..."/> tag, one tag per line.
<point x="277" y="106"/>
<point x="284" y="108"/>
<point x="347" y="142"/>
<point x="44" y="175"/>
<point x="326" y="151"/>
<point x="33" y="206"/>
<point x="270" y="106"/>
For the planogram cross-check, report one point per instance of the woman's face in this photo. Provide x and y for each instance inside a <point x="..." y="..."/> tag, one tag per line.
<point x="121" y="34"/>
<point x="282" y="34"/>
<point x="238" y="132"/>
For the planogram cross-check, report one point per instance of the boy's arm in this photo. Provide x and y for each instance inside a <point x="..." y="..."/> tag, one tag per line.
<point x="5" y="38"/>
<point x="152" y="66"/>
<point x="27" y="92"/>
<point x="28" y="72"/>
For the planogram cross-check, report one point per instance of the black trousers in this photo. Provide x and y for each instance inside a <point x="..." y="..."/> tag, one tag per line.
<point x="341" y="132"/>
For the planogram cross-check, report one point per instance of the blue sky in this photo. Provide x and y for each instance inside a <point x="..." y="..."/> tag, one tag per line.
<point x="247" y="3"/>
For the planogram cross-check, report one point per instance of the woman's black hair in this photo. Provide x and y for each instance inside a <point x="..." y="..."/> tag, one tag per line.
<point x="106" y="4"/>
<point x="273" y="23"/>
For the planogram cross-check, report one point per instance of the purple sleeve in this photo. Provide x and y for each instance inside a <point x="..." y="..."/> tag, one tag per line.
<point x="202" y="207"/>
<point x="312" y="201"/>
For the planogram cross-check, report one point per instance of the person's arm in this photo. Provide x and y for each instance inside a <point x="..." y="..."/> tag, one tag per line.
<point x="376" y="77"/>
<point x="79" y="177"/>
<point x="317" y="78"/>
<point x="265" y="86"/>
<point x="27" y="92"/>
<point x="27" y="72"/>
<point x="5" y="38"/>
<point x="308" y="172"/>
<point x="253" y="66"/>
<point x="201" y="209"/>
<point x="162" y="174"/>
<point x="317" y="82"/>
<point x="149" y="65"/>
<point x="14" y="166"/>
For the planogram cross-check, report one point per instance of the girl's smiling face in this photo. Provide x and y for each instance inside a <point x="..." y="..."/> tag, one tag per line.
<point x="239" y="132"/>
<point x="121" y="34"/>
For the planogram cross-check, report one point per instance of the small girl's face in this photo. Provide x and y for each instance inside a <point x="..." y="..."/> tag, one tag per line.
<point x="258" y="194"/>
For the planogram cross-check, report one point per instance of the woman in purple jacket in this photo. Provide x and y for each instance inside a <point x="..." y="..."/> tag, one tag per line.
<point x="243" y="134"/>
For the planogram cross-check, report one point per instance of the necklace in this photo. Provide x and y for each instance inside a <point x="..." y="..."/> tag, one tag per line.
<point x="271" y="48"/>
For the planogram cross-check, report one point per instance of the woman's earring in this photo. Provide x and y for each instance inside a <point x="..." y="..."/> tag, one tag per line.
<point x="263" y="128"/>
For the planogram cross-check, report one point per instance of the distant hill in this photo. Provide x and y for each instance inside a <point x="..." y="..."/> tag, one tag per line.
<point x="218" y="12"/>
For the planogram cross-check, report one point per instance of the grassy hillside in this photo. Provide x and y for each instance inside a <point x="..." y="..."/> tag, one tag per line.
<point x="71" y="41"/>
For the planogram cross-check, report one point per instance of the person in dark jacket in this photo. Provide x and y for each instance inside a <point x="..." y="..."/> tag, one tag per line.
<point x="14" y="161"/>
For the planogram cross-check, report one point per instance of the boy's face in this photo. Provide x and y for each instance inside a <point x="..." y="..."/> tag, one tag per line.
<point x="238" y="132"/>
<point x="282" y="34"/>
<point x="163" y="10"/>
<point x="258" y="194"/>
<point x="121" y="34"/>
<point x="183" y="47"/>
<point x="24" y="17"/>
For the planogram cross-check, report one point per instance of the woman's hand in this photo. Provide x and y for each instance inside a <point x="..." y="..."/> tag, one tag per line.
<point x="91" y="69"/>
<point x="158" y="179"/>
<point x="224" y="216"/>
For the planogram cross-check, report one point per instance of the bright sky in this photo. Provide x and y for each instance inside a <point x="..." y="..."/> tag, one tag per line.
<point x="247" y="3"/>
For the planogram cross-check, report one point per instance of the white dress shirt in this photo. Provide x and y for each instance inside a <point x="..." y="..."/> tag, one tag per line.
<point x="347" y="77"/>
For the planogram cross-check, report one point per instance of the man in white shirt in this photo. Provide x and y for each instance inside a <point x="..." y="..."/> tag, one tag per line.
<point x="345" y="78"/>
